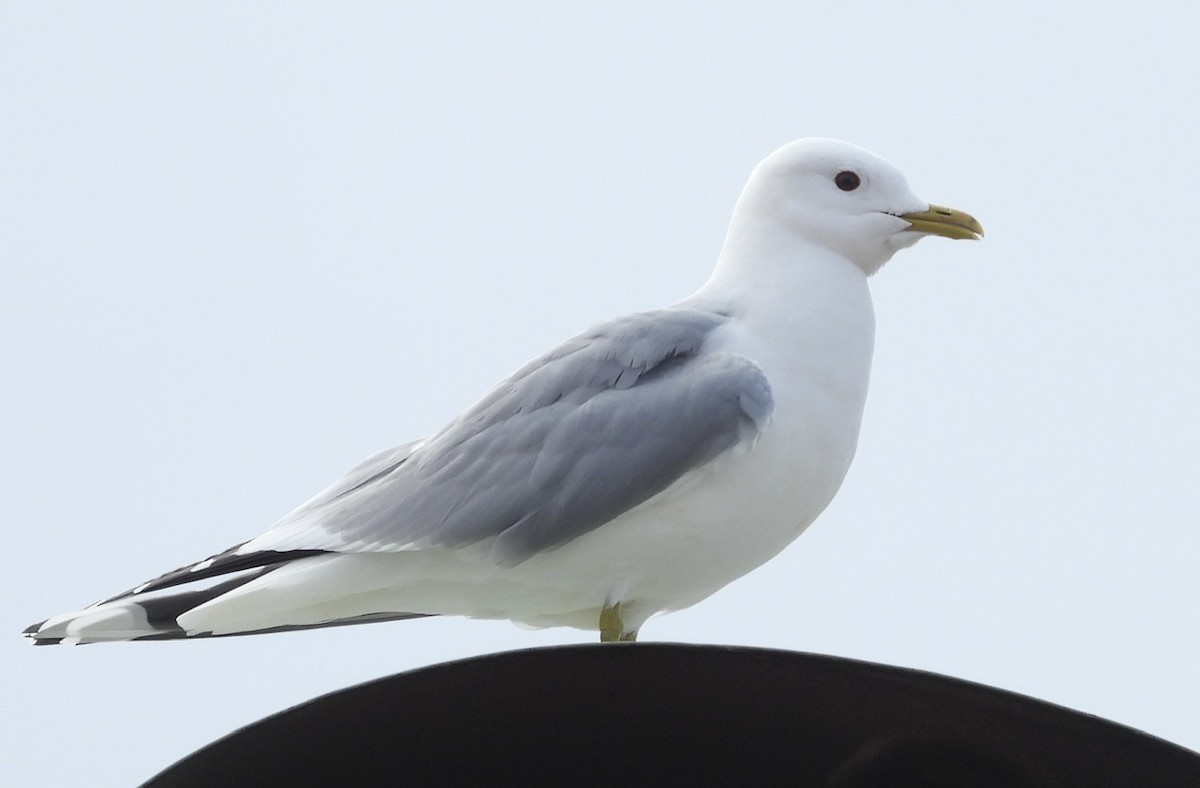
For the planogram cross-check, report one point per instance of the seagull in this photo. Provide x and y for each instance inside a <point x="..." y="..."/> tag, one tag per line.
<point x="634" y="469"/>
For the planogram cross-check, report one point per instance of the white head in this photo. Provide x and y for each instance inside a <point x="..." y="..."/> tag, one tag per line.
<point x="845" y="199"/>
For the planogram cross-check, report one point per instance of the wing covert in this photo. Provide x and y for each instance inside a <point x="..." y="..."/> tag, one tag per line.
<point x="600" y="424"/>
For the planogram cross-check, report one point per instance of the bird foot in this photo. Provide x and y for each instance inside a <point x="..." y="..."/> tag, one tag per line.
<point x="612" y="629"/>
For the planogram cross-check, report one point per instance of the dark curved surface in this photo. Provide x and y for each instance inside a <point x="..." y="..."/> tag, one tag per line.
<point x="649" y="713"/>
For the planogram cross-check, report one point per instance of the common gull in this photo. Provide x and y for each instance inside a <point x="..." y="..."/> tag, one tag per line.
<point x="634" y="469"/>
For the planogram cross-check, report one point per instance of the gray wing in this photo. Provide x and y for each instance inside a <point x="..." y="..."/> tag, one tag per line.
<point x="571" y="440"/>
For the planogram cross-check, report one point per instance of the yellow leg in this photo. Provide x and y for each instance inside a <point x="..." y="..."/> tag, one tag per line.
<point x="610" y="624"/>
<point x="612" y="629"/>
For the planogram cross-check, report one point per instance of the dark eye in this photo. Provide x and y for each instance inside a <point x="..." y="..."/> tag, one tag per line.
<point x="847" y="181"/>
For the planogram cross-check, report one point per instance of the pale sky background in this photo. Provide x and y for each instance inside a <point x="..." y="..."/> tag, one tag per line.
<point x="245" y="245"/>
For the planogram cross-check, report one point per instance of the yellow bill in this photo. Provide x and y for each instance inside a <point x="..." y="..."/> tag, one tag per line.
<point x="945" y="222"/>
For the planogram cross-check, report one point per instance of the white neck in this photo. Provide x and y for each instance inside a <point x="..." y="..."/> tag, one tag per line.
<point x="763" y="264"/>
<point x="799" y="310"/>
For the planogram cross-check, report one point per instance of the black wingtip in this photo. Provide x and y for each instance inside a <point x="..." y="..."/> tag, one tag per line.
<point x="228" y="562"/>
